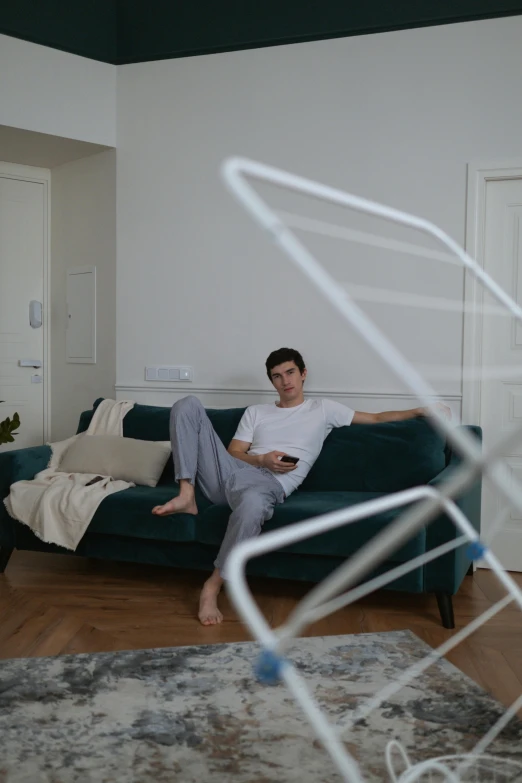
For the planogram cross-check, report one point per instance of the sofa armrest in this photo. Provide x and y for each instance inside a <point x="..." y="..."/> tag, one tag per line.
<point x="447" y="572"/>
<point x="15" y="466"/>
<point x="22" y="464"/>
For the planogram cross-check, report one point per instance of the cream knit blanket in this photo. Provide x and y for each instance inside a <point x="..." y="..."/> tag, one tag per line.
<point x="58" y="507"/>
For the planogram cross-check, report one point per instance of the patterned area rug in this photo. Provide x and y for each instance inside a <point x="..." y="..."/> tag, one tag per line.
<point x="197" y="713"/>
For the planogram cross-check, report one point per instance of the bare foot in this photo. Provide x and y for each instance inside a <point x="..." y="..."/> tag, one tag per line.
<point x="179" y="505"/>
<point x="209" y="613"/>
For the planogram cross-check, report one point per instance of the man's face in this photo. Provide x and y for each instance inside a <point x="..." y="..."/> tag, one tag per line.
<point x="288" y="380"/>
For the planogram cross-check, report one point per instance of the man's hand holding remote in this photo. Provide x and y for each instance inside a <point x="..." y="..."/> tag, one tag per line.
<point x="272" y="461"/>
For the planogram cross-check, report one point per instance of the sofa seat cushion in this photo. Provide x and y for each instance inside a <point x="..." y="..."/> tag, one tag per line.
<point x="211" y="525"/>
<point x="129" y="513"/>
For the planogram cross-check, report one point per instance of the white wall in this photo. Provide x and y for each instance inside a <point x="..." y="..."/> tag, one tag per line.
<point x="83" y="232"/>
<point x="395" y="117"/>
<point x="54" y="92"/>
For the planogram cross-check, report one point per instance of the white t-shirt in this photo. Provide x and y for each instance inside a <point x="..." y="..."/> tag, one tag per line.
<point x="299" y="431"/>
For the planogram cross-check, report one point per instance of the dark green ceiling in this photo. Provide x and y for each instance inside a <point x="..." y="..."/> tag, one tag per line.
<point x="127" y="31"/>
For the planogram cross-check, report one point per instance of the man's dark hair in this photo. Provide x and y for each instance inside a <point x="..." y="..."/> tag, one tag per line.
<point x="284" y="355"/>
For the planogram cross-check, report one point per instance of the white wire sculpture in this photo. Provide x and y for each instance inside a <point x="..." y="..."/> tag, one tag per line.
<point x="324" y="598"/>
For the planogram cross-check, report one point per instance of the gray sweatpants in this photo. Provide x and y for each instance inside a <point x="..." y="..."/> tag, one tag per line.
<point x="199" y="455"/>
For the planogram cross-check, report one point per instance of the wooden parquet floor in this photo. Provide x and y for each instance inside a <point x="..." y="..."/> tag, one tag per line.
<point x="57" y="605"/>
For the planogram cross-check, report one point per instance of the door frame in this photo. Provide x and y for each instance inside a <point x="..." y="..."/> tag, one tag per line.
<point x="42" y="176"/>
<point x="479" y="174"/>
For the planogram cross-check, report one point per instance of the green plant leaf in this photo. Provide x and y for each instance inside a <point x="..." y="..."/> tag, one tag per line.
<point x="7" y="427"/>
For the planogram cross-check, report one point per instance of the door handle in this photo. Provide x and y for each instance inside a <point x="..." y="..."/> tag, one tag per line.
<point x="30" y="363"/>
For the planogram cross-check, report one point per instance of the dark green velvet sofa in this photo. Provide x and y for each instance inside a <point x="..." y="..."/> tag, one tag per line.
<point x="357" y="463"/>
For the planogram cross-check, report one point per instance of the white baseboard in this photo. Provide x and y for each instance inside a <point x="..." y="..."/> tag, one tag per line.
<point x="213" y="397"/>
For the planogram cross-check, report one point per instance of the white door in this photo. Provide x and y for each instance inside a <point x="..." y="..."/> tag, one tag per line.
<point x="501" y="398"/>
<point x="22" y="250"/>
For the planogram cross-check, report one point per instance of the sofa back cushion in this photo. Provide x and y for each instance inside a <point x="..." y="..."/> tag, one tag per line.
<point x="360" y="458"/>
<point x="378" y="457"/>
<point x="151" y="422"/>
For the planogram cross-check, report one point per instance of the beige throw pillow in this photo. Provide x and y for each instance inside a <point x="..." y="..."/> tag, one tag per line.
<point x="125" y="459"/>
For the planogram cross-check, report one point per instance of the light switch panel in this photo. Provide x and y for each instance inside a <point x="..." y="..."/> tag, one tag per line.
<point x="168" y="372"/>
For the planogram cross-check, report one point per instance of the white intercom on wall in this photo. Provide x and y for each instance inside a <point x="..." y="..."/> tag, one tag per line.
<point x="35" y="314"/>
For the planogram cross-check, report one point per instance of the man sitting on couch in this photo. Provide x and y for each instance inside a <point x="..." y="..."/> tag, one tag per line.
<point x="253" y="476"/>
